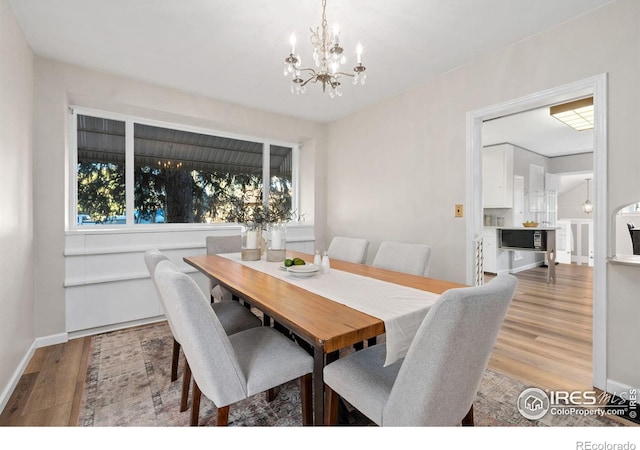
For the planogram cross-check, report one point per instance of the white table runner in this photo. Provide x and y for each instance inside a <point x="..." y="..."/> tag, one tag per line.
<point x="401" y="308"/>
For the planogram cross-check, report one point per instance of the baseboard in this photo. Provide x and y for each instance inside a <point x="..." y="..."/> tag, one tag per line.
<point x="619" y="389"/>
<point x="13" y="382"/>
<point x="523" y="268"/>
<point x="54" y="339"/>
<point x="115" y="327"/>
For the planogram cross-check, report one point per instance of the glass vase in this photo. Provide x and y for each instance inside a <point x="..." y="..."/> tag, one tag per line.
<point x="276" y="242"/>
<point x="251" y="242"/>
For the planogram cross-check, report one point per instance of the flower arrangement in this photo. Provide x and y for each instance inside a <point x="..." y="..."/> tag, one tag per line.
<point x="258" y="217"/>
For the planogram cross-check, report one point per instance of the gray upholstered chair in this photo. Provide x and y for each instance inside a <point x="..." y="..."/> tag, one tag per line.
<point x="348" y="249"/>
<point x="222" y="244"/>
<point x="413" y="259"/>
<point x="436" y="383"/>
<point x="228" y="369"/>
<point x="233" y="316"/>
<point x="406" y="258"/>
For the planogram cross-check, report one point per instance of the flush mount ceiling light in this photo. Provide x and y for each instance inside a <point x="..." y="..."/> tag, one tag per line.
<point x="577" y="114"/>
<point x="328" y="56"/>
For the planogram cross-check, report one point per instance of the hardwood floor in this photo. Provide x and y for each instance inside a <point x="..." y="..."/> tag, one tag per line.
<point x="545" y="342"/>
<point x="546" y="339"/>
<point x="50" y="390"/>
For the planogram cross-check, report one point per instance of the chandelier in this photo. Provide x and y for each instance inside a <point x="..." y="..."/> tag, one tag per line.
<point x="327" y="56"/>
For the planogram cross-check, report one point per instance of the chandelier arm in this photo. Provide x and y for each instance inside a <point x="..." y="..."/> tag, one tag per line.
<point x="309" y="69"/>
<point x="312" y="78"/>
<point x="345" y="74"/>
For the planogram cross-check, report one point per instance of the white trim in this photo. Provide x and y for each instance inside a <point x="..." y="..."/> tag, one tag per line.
<point x="616" y="388"/>
<point x="116" y="279"/>
<point x="115" y="327"/>
<point x="52" y="339"/>
<point x="129" y="172"/>
<point x="523" y="268"/>
<point x="159" y="228"/>
<point x="596" y="85"/>
<point x="131" y="249"/>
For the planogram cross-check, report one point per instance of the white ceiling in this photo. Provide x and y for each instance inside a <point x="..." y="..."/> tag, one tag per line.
<point x="234" y="50"/>
<point x="537" y="131"/>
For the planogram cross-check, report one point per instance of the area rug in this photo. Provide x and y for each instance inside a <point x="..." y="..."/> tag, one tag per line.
<point x="128" y="384"/>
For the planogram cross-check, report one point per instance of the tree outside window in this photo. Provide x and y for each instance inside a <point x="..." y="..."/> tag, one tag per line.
<point x="179" y="176"/>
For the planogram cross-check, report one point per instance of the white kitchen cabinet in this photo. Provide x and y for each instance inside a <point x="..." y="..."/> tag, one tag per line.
<point x="497" y="176"/>
<point x="494" y="260"/>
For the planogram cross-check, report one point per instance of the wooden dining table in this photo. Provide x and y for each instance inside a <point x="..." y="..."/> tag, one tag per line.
<point x="325" y="325"/>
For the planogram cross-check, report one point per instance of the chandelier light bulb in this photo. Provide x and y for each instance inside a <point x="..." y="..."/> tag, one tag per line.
<point x="292" y="41"/>
<point x="359" y="53"/>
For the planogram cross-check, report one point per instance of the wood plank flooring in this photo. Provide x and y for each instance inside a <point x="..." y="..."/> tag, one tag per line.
<point x="546" y="339"/>
<point x="50" y="390"/>
<point x="545" y="342"/>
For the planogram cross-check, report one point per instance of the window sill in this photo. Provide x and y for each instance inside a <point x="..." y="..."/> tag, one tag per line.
<point x="164" y="228"/>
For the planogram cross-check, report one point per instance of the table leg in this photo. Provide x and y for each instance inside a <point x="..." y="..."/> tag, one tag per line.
<point x="551" y="256"/>
<point x="551" y="274"/>
<point x="318" y="385"/>
<point x="319" y="361"/>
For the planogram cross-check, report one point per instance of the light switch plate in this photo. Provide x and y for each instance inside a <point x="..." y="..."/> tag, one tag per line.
<point x="459" y="212"/>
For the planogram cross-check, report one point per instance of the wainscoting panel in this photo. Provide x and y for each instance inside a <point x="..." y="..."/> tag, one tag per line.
<point x="106" y="280"/>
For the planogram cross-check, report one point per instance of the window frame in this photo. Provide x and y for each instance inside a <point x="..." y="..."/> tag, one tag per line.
<point x="130" y="121"/>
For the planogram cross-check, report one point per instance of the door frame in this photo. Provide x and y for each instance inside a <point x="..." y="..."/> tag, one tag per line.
<point x="596" y="85"/>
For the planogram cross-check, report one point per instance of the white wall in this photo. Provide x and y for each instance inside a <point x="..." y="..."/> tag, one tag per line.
<point x="16" y="201"/>
<point x="582" y="162"/>
<point x="570" y="202"/>
<point x="408" y="153"/>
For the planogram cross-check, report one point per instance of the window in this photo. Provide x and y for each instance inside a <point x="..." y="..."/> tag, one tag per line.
<point x="130" y="172"/>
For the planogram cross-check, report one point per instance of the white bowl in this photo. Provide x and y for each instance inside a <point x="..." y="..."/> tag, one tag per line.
<point x="303" y="271"/>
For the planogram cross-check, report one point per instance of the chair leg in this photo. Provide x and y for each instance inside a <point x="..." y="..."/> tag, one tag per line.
<point x="467" y="421"/>
<point x="306" y="397"/>
<point x="271" y="394"/>
<point x="174" y="360"/>
<point x="195" y="407"/>
<point x="186" y="381"/>
<point x="223" y="416"/>
<point x="332" y="399"/>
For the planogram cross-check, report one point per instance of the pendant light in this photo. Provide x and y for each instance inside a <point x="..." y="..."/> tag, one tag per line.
<point x="587" y="206"/>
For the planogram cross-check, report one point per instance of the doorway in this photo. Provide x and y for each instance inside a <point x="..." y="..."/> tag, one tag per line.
<point x="595" y="86"/>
